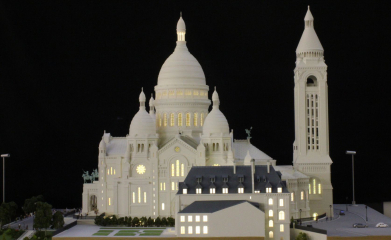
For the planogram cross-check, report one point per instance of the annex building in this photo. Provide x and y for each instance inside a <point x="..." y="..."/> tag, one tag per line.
<point x="145" y="172"/>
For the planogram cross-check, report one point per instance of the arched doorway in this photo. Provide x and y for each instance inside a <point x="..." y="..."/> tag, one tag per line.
<point x="93" y="203"/>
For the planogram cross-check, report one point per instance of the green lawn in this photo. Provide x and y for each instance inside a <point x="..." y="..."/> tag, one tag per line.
<point x="156" y="231"/>
<point x="131" y="230"/>
<point x="103" y="233"/>
<point x="125" y="234"/>
<point x="151" y="234"/>
<point x="135" y="228"/>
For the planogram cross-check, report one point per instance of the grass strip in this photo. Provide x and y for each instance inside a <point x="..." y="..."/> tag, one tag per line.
<point x="153" y="231"/>
<point x="150" y="234"/>
<point x="125" y="234"/>
<point x="129" y="231"/>
<point x="138" y="228"/>
<point x="105" y="230"/>
<point x="101" y="234"/>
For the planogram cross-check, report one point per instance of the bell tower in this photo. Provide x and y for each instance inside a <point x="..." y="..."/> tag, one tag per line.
<point x="311" y="146"/>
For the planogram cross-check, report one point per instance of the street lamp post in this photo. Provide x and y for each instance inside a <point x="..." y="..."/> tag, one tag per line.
<point x="346" y="204"/>
<point x="352" y="153"/>
<point x="366" y="212"/>
<point x="4" y="156"/>
<point x="300" y="215"/>
<point x="330" y="213"/>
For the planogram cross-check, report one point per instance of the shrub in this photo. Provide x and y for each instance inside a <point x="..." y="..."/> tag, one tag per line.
<point x="129" y="222"/>
<point x="158" y="222"/>
<point x="121" y="221"/>
<point x="302" y="236"/>
<point x="171" y="221"/>
<point x="164" y="221"/>
<point x="135" y="222"/>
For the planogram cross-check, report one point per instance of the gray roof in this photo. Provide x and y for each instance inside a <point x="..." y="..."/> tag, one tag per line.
<point x="242" y="146"/>
<point x="272" y="178"/>
<point x="213" y="206"/>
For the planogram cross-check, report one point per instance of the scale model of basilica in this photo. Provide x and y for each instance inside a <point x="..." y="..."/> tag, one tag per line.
<point x="139" y="174"/>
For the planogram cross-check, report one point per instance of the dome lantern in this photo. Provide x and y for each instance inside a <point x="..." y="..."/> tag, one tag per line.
<point x="181" y="29"/>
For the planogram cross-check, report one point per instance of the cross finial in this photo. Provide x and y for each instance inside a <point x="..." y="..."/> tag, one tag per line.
<point x="308" y="7"/>
<point x="215" y="88"/>
<point x="142" y="89"/>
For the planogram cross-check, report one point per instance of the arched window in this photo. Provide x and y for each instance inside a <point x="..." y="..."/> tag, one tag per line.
<point x="271" y="234"/>
<point x="302" y="195"/>
<point x="165" y="119"/>
<point x="270" y="201"/>
<point x="182" y="170"/>
<point x="281" y="215"/>
<point x="312" y="81"/>
<point x="202" y="119"/>
<point x="281" y="202"/>
<point x="271" y="223"/>
<point x="195" y="118"/>
<point x="177" y="169"/>
<point x="172" y="120"/>
<point x="270" y="213"/>
<point x="180" y="119"/>
<point x="187" y="119"/>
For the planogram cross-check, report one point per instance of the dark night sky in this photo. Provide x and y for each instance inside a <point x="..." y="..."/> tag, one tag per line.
<point x="71" y="69"/>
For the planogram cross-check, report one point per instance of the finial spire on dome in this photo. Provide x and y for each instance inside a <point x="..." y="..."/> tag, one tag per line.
<point x="142" y="98"/>
<point x="181" y="29"/>
<point x="309" y="40"/>
<point x="151" y="105"/>
<point x="215" y="99"/>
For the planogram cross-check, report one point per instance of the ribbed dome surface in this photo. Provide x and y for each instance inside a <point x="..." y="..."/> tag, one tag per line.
<point x="215" y="122"/>
<point x="142" y="123"/>
<point x="181" y="68"/>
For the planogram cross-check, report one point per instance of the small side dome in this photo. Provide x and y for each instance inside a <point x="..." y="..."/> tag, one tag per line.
<point x="215" y="122"/>
<point x="142" y="97"/>
<point x="142" y="123"/>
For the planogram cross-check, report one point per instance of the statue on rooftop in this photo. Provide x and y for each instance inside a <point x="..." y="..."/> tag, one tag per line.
<point x="248" y="131"/>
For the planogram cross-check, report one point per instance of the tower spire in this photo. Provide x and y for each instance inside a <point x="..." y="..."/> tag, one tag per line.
<point x="215" y="99"/>
<point x="142" y="99"/>
<point x="181" y="29"/>
<point x="309" y="42"/>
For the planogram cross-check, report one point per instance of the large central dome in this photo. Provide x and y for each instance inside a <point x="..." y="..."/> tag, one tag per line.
<point x="181" y="67"/>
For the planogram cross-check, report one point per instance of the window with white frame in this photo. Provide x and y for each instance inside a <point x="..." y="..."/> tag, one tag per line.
<point x="198" y="190"/>
<point x="281" y="215"/>
<point x="205" y="218"/>
<point x="270" y="201"/>
<point x="190" y="230"/>
<point x="197" y="218"/>
<point x="271" y="224"/>
<point x="205" y="230"/>
<point x="162" y="206"/>
<point x="198" y="230"/>
<point x="182" y="218"/>
<point x="270" y="213"/>
<point x="190" y="218"/>
<point x="225" y="190"/>
<point x="183" y="231"/>
<point x="281" y="227"/>
<point x="281" y="202"/>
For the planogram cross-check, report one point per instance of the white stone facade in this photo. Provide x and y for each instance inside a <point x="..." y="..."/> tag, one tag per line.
<point x="139" y="173"/>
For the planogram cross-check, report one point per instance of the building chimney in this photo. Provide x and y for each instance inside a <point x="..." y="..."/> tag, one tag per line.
<point x="268" y="166"/>
<point x="252" y="173"/>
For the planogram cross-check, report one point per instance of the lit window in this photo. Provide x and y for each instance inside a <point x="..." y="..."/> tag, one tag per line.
<point x="188" y="119"/>
<point x="184" y="191"/>
<point x="225" y="190"/>
<point x="162" y="206"/>
<point x="281" y="202"/>
<point x="198" y="230"/>
<point x="164" y="186"/>
<point x="281" y="215"/>
<point x="109" y="201"/>
<point x="212" y="190"/>
<point x="279" y="190"/>
<point x="182" y="170"/>
<point x="114" y="171"/>
<point x="160" y="120"/>
<point x="198" y="190"/>
<point x="108" y="171"/>
<point x="195" y="119"/>
<point x="205" y="218"/>
<point x="314" y="183"/>
<point x="190" y="218"/>
<point x="145" y="197"/>
<point x="172" y="120"/>
<point x="182" y="229"/>
<point x="172" y="186"/>
<point x="202" y="119"/>
<point x="302" y="195"/>
<point x="292" y="197"/>
<point x="205" y="230"/>
<point x="240" y="190"/>
<point x="270" y="213"/>
<point x="190" y="230"/>
<point x="188" y="92"/>
<point x="111" y="170"/>
<point x="309" y="188"/>
<point x="179" y="93"/>
<point x="315" y="215"/>
<point x="268" y="190"/>
<point x="197" y="218"/>
<point x="195" y="93"/>
<point x="271" y="223"/>
<point x="134" y="197"/>
<point x="257" y="191"/>
<point x="139" y="194"/>
<point x="165" y="119"/>
<point x="281" y="227"/>
<point x="182" y="218"/>
<point x="161" y="186"/>
<point x="271" y="234"/>
<point x="180" y="119"/>
<point x="270" y="201"/>
<point x="319" y="189"/>
<point x="172" y="170"/>
<point x="177" y="168"/>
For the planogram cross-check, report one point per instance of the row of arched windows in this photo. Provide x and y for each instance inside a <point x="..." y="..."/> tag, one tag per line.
<point x="172" y="119"/>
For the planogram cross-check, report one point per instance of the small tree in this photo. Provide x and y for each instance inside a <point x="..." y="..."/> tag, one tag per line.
<point x="7" y="212"/>
<point x="164" y="221"/>
<point x="29" y="205"/>
<point x="150" y="222"/>
<point x="58" y="220"/>
<point x="171" y="221"/>
<point x="158" y="222"/>
<point x="114" y="220"/>
<point x="135" y="222"/>
<point x="302" y="236"/>
<point x="144" y="221"/>
<point x="129" y="222"/>
<point x="43" y="216"/>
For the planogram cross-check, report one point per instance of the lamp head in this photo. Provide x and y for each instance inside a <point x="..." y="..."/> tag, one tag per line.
<point x="5" y="155"/>
<point x="351" y="152"/>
